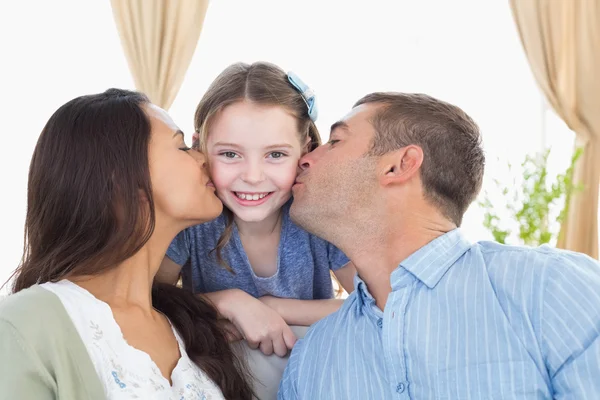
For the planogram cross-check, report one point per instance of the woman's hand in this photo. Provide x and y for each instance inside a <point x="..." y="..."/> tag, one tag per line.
<point x="259" y="324"/>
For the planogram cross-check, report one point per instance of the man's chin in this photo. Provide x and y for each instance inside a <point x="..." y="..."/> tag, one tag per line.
<point x="304" y="215"/>
<point x="297" y="210"/>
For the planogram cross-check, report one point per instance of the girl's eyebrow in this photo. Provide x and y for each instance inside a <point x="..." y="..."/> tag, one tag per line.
<point x="225" y="144"/>
<point x="273" y="146"/>
<point x="280" y="146"/>
<point x="178" y="132"/>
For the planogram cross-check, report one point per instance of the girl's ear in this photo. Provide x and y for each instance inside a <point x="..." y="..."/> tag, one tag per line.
<point x="195" y="140"/>
<point x="306" y="146"/>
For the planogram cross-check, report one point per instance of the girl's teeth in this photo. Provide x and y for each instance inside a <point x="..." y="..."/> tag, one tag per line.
<point x="249" y="196"/>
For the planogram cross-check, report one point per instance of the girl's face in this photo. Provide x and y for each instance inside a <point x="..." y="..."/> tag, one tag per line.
<point x="253" y="155"/>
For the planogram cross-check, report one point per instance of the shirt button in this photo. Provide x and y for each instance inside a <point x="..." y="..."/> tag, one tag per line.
<point x="380" y="322"/>
<point x="400" y="388"/>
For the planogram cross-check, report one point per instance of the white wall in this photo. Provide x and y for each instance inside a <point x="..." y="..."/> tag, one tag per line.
<point x="465" y="52"/>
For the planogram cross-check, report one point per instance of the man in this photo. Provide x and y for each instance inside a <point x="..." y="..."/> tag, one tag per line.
<point x="433" y="316"/>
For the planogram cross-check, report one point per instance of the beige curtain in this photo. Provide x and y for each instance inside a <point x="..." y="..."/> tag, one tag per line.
<point x="562" y="41"/>
<point x="159" y="38"/>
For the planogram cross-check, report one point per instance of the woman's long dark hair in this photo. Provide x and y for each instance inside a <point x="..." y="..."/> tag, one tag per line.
<point x="88" y="179"/>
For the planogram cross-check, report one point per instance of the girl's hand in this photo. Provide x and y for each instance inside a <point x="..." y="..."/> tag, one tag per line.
<point x="259" y="324"/>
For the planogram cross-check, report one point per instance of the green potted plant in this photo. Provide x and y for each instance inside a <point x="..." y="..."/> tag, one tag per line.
<point x="533" y="207"/>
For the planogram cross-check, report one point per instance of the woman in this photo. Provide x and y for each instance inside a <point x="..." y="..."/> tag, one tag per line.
<point x="111" y="183"/>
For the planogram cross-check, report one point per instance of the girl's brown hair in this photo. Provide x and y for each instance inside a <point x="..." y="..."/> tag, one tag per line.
<point x="88" y="177"/>
<point x="261" y="83"/>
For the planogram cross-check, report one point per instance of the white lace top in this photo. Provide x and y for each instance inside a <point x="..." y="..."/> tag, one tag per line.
<point x="126" y="372"/>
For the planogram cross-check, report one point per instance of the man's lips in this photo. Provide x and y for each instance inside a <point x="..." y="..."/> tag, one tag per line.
<point x="297" y="184"/>
<point x="299" y="179"/>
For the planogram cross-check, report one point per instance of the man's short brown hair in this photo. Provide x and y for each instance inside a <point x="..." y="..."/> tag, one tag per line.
<point x="453" y="158"/>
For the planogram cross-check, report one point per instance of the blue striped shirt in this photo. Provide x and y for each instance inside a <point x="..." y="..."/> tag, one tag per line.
<point x="463" y="321"/>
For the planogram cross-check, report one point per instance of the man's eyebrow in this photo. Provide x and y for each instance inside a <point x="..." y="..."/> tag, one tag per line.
<point x="178" y="132"/>
<point x="341" y="125"/>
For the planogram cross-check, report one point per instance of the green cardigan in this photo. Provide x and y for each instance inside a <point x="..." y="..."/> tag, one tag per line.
<point x="42" y="356"/>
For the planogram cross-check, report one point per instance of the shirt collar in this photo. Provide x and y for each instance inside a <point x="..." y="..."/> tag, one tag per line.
<point x="428" y="264"/>
<point x="432" y="261"/>
<point x="361" y="287"/>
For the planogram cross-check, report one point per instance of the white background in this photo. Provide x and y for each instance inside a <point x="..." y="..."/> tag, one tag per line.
<point x="464" y="52"/>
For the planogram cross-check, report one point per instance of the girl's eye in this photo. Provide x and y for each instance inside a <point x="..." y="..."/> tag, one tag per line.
<point x="229" y="154"/>
<point x="277" y="154"/>
<point x="332" y="142"/>
<point x="185" y="148"/>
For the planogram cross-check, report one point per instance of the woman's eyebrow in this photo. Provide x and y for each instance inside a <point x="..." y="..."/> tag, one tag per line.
<point x="178" y="132"/>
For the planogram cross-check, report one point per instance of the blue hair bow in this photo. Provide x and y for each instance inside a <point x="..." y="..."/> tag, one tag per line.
<point x="307" y="94"/>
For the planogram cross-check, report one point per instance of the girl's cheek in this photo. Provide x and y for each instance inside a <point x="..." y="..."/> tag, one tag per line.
<point x="288" y="176"/>
<point x="220" y="176"/>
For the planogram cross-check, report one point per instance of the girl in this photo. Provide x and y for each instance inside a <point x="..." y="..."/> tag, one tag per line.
<point x="260" y="270"/>
<point x="110" y="185"/>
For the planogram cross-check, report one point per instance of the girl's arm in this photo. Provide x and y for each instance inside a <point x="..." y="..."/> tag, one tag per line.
<point x="265" y="325"/>
<point x="249" y="318"/>
<point x="302" y="312"/>
<point x="259" y="324"/>
<point x="307" y="312"/>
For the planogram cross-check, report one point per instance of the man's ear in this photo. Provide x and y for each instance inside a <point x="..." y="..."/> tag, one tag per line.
<point x="401" y="165"/>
